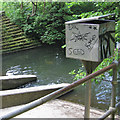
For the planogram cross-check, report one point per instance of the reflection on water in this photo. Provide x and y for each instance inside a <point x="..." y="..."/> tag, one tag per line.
<point x="51" y="67"/>
<point x="15" y="70"/>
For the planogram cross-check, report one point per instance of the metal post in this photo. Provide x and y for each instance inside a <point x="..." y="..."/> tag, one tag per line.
<point x="118" y="79"/>
<point x="113" y="95"/>
<point x="87" y="99"/>
<point x="88" y="67"/>
<point x="118" y="93"/>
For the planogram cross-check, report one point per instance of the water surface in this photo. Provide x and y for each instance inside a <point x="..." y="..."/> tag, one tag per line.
<point x="52" y="67"/>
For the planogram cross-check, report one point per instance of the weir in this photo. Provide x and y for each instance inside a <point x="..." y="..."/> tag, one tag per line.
<point x="22" y="96"/>
<point x="14" y="81"/>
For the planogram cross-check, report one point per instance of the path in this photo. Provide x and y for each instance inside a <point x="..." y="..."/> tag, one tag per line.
<point x="56" y="109"/>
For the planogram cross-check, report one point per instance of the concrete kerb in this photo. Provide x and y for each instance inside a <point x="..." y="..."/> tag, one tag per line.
<point x="14" y="81"/>
<point x="15" y="97"/>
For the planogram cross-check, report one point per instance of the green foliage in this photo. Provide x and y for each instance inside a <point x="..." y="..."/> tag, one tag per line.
<point x="13" y="11"/>
<point x="101" y="8"/>
<point x="81" y="7"/>
<point x="64" y="46"/>
<point x="96" y="9"/>
<point x="117" y="31"/>
<point x="106" y="62"/>
<point x="57" y="15"/>
<point x="78" y="74"/>
<point x="47" y="24"/>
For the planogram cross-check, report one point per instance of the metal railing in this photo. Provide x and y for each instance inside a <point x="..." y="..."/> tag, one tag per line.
<point x="68" y="88"/>
<point x="111" y="111"/>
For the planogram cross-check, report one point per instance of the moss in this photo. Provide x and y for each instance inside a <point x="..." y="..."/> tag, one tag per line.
<point x="14" y="38"/>
<point x="12" y="26"/>
<point x="13" y="33"/>
<point x="12" y="29"/>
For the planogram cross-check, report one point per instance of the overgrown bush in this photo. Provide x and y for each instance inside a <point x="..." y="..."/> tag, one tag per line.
<point x="48" y="23"/>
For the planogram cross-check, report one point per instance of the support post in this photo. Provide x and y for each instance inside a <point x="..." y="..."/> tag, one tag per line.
<point x="87" y="99"/>
<point x="90" y="67"/>
<point x="113" y="95"/>
<point x="118" y="79"/>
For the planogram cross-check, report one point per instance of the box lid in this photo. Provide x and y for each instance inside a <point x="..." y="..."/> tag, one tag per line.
<point x="88" y="19"/>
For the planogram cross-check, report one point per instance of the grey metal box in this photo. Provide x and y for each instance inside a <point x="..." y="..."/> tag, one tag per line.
<point x="90" y="39"/>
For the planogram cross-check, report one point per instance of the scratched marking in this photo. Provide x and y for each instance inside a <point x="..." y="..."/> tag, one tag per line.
<point x="87" y="39"/>
<point x="90" y="41"/>
<point x="105" y="44"/>
<point x="72" y="26"/>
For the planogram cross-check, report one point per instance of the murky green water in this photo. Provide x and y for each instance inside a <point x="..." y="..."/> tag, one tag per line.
<point x="51" y="67"/>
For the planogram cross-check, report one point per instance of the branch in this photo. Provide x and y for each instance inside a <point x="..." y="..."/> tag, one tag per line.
<point x="33" y="11"/>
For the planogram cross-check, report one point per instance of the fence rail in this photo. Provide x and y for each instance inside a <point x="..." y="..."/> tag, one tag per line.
<point x="64" y="90"/>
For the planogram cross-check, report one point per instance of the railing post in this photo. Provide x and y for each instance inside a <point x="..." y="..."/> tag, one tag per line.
<point x="90" y="66"/>
<point x="113" y="95"/>
<point x="118" y="79"/>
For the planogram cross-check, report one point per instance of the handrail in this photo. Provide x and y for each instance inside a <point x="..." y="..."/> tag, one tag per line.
<point x="110" y="111"/>
<point x="57" y="93"/>
<point x="113" y="107"/>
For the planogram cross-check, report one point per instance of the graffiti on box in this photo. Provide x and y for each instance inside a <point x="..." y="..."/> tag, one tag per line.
<point x="88" y="39"/>
<point x="105" y="44"/>
<point x="85" y="40"/>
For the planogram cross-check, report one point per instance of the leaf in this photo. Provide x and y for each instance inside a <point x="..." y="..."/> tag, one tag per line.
<point x="64" y="46"/>
<point x="72" y="72"/>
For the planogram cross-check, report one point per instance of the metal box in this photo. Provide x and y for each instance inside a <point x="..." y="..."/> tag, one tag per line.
<point x="90" y="39"/>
